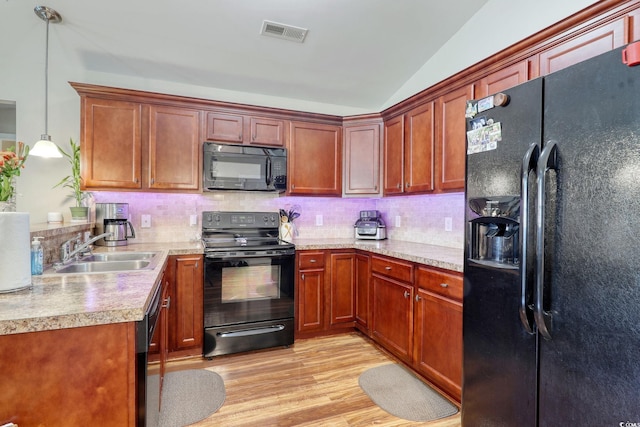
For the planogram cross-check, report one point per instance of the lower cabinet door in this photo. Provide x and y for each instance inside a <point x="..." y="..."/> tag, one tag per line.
<point x="310" y="301"/>
<point x="186" y="311"/>
<point x="393" y="316"/>
<point x="438" y="341"/>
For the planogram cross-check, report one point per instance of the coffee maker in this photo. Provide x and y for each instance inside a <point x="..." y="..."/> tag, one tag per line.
<point x="113" y="218"/>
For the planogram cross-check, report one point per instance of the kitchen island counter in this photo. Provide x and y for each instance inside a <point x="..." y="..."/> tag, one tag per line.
<point x="431" y="255"/>
<point x="59" y="301"/>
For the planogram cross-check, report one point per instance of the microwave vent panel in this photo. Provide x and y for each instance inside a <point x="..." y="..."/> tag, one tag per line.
<point x="282" y="31"/>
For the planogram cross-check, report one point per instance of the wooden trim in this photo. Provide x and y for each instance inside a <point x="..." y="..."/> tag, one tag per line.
<point x="108" y="92"/>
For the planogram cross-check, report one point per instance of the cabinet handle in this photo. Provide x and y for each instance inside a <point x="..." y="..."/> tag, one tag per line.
<point x="375" y="188"/>
<point x="407" y="185"/>
<point x="239" y="137"/>
<point x="253" y="137"/>
<point x="312" y="260"/>
<point x="407" y="294"/>
<point x="136" y="180"/>
<point x="293" y="187"/>
<point x="387" y="268"/>
<point x="444" y="285"/>
<point x="153" y="181"/>
<point x="398" y="186"/>
<point x="167" y="303"/>
<point x="418" y="298"/>
<point x="302" y="276"/>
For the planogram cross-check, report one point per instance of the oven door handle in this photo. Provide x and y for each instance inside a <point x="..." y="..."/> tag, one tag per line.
<point x="218" y="257"/>
<point x="251" y="331"/>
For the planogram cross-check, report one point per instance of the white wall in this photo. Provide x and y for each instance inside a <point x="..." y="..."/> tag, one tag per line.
<point x="22" y="80"/>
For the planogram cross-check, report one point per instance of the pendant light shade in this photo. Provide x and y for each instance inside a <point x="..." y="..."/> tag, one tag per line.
<point x="44" y="147"/>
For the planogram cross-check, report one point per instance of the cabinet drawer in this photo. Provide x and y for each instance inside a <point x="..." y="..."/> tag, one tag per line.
<point x="311" y="260"/>
<point x="396" y="269"/>
<point x="441" y="283"/>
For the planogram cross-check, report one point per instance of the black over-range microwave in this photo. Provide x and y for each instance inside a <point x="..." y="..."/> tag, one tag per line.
<point x="244" y="167"/>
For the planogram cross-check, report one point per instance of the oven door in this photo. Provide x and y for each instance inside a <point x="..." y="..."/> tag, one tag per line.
<point x="248" y="288"/>
<point x="248" y="301"/>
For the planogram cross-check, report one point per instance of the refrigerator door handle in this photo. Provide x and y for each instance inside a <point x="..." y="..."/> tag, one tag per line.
<point x="548" y="160"/>
<point x="529" y="163"/>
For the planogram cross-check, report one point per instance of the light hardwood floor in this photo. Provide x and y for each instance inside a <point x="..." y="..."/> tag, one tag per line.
<point x="312" y="383"/>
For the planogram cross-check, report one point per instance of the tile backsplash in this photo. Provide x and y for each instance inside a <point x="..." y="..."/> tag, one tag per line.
<point x="422" y="218"/>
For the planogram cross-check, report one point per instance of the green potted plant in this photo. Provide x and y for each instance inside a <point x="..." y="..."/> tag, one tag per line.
<point x="74" y="182"/>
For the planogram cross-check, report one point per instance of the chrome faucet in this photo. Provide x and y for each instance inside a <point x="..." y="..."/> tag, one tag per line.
<point x="67" y="255"/>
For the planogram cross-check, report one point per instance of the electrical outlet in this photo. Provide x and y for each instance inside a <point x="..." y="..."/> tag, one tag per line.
<point x="193" y="220"/>
<point x="448" y="224"/>
<point x="145" y="221"/>
<point x="319" y="219"/>
<point x="398" y="221"/>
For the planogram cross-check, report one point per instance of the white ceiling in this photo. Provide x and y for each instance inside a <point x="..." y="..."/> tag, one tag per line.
<point x="357" y="53"/>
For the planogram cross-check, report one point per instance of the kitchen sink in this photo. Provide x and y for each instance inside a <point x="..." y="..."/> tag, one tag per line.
<point x="111" y="262"/>
<point x="119" y="256"/>
<point x="104" y="266"/>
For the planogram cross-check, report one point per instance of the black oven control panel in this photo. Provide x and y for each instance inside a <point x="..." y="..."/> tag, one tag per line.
<point x="240" y="220"/>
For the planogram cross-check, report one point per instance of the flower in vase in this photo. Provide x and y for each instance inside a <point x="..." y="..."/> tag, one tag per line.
<point x="11" y="162"/>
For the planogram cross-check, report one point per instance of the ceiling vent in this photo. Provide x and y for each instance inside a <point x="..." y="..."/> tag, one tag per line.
<point x="282" y="31"/>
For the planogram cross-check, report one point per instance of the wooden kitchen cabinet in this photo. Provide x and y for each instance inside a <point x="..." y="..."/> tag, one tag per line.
<point x="325" y="291"/>
<point x="310" y="291"/>
<point x="186" y="307"/>
<point x="409" y="151"/>
<point x="342" y="285"/>
<point x="438" y="329"/>
<point x="393" y="156"/>
<point x="601" y="39"/>
<point x="363" y="292"/>
<point x="174" y="148"/>
<point x="503" y="79"/>
<point x="138" y="146"/>
<point x="392" y="310"/>
<point x="111" y="135"/>
<point x="315" y="159"/>
<point x="244" y="129"/>
<point x="362" y="160"/>
<point x="418" y="149"/>
<point x="451" y="143"/>
<point x="82" y="376"/>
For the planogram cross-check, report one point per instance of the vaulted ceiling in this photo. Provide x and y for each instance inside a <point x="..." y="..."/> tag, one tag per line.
<point x="356" y="53"/>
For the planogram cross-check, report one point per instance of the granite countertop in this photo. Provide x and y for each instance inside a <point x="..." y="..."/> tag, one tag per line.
<point x="58" y="301"/>
<point x="431" y="255"/>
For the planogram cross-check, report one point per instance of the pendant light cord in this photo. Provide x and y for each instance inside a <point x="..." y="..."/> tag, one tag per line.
<point x="46" y="83"/>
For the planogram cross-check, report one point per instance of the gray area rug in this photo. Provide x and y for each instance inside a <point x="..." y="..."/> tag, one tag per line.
<point x="190" y="396"/>
<point x="400" y="393"/>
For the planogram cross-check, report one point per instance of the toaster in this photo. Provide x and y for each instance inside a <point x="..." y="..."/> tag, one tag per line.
<point x="370" y="226"/>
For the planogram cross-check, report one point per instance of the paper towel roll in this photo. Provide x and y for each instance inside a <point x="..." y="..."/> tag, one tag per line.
<point x="15" y="253"/>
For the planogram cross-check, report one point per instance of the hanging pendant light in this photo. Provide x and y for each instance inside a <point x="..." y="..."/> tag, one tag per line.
<point x="45" y="147"/>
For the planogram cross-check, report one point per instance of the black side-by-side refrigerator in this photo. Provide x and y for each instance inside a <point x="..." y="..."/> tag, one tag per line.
<point x="551" y="319"/>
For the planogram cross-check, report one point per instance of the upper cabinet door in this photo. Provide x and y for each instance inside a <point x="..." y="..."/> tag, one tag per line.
<point x="394" y="156"/>
<point x="111" y="143"/>
<point x="315" y="159"/>
<point x="224" y="127"/>
<point x="362" y="160"/>
<point x="503" y="79"/>
<point x="418" y="149"/>
<point x="174" y="148"/>
<point x="451" y="143"/>
<point x="584" y="46"/>
<point x="267" y="131"/>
